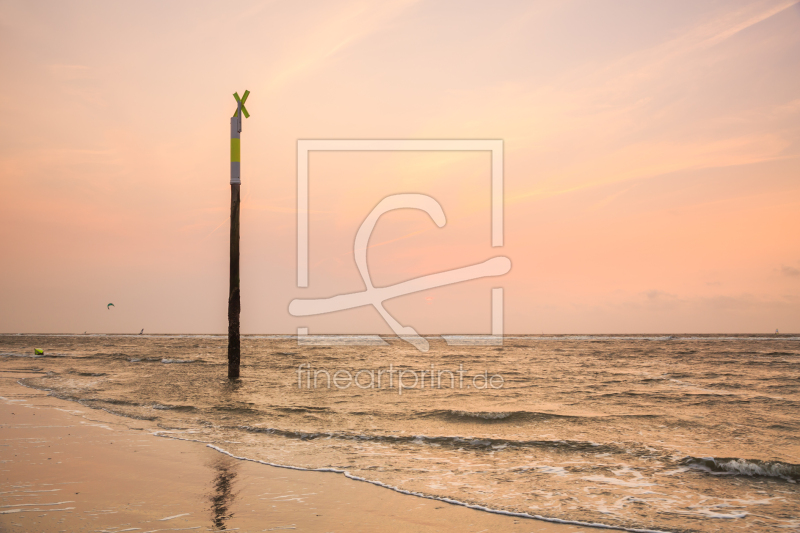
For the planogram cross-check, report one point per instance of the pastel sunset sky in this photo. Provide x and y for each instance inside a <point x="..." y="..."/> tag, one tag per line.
<point x="651" y="159"/>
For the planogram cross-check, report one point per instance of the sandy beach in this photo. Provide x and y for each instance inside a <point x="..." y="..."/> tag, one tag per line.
<point x="69" y="468"/>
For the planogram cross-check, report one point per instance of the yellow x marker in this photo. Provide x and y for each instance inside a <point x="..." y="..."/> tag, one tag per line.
<point x="242" y="101"/>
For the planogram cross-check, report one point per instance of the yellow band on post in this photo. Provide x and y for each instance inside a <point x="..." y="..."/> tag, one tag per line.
<point x="235" y="150"/>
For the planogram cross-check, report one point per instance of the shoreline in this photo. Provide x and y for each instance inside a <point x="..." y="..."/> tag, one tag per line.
<point x="128" y="479"/>
<point x="586" y="525"/>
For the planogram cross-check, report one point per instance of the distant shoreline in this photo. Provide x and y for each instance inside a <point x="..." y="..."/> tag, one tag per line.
<point x="426" y="335"/>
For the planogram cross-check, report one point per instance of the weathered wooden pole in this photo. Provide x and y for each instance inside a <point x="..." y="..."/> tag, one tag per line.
<point x="234" y="295"/>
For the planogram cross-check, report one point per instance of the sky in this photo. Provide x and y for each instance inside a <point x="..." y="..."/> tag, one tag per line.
<point x="651" y="163"/>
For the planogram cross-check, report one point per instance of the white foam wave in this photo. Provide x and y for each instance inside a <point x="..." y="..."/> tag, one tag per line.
<point x="438" y="498"/>
<point x="483" y="414"/>
<point x="744" y="467"/>
<point x="29" y="355"/>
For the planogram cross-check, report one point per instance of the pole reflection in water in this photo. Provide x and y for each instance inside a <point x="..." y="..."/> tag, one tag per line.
<point x="222" y="494"/>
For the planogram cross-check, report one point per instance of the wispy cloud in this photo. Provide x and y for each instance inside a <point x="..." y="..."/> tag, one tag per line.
<point x="790" y="271"/>
<point x="318" y="41"/>
<point x="638" y="101"/>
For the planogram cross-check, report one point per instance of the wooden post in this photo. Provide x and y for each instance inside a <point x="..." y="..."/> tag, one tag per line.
<point x="234" y="295"/>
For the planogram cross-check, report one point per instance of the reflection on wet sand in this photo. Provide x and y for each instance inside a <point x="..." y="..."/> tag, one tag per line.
<point x="222" y="494"/>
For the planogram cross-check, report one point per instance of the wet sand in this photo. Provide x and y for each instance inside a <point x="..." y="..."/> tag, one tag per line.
<point x="67" y="468"/>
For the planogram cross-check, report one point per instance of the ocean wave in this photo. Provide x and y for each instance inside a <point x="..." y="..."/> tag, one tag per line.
<point x="168" y="407"/>
<point x="467" y="442"/>
<point x="112" y="401"/>
<point x="101" y="404"/>
<point x="510" y="416"/>
<point x="488" y="416"/>
<point x="124" y="414"/>
<point x="238" y="410"/>
<point x="744" y="467"/>
<point x="485" y="415"/>
<point x="304" y="409"/>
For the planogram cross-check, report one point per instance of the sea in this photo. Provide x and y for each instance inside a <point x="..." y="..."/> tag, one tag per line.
<point x="676" y="433"/>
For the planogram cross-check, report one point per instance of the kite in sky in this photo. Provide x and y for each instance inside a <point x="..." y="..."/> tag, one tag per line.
<point x="109" y="306"/>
